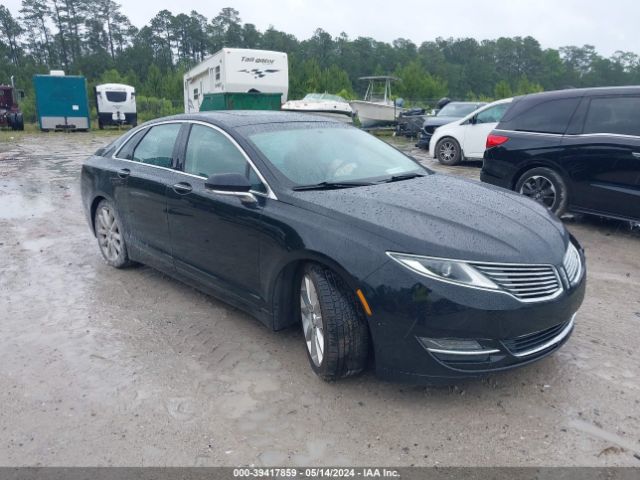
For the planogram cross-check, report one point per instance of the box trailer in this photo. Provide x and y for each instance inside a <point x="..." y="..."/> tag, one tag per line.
<point x="116" y="104"/>
<point x="61" y="102"/>
<point x="236" y="70"/>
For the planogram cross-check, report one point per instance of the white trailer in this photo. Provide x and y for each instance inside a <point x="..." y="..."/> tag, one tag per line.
<point x="116" y="104"/>
<point x="236" y="70"/>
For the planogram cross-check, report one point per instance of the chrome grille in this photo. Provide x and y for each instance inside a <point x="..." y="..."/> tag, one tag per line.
<point x="572" y="264"/>
<point x="529" y="283"/>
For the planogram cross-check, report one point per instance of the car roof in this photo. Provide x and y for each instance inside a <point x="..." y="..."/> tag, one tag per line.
<point x="241" y="118"/>
<point x="583" y="92"/>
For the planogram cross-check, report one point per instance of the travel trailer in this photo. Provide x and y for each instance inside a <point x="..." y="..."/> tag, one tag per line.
<point x="116" y="104"/>
<point x="236" y="70"/>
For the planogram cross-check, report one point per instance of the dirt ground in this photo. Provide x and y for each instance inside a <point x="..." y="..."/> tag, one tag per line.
<point x="129" y="367"/>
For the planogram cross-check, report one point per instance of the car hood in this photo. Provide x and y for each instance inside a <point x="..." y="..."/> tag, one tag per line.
<point x="450" y="217"/>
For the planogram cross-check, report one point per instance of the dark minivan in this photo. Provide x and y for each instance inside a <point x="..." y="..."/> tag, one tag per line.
<point x="574" y="150"/>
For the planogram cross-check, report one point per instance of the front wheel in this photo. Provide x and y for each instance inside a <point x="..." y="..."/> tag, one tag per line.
<point x="448" y="151"/>
<point x="110" y="235"/>
<point x="545" y="186"/>
<point x="335" y="332"/>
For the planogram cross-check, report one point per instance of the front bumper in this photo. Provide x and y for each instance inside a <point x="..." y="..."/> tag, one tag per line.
<point x="423" y="139"/>
<point x="511" y="333"/>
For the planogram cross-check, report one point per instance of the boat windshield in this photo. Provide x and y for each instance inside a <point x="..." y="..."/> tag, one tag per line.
<point x="310" y="153"/>
<point x="323" y="97"/>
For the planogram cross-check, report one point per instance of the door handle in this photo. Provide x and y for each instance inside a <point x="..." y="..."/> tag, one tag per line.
<point x="636" y="154"/>
<point x="182" y="188"/>
<point x="124" y="173"/>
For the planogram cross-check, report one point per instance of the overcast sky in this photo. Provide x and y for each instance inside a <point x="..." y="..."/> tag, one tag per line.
<point x="609" y="25"/>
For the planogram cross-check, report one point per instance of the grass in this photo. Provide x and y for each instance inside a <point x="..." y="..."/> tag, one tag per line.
<point x="12" y="136"/>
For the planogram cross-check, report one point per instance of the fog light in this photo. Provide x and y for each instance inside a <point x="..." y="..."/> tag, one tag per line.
<point x="455" y="346"/>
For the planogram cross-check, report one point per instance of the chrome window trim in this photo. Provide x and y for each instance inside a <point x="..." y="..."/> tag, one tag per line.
<point x="558" y="338"/>
<point x="570" y="135"/>
<point x="269" y="194"/>
<point x="472" y="263"/>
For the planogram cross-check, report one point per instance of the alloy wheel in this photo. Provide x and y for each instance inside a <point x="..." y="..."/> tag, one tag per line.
<point x="312" y="320"/>
<point x="447" y="151"/>
<point x="540" y="189"/>
<point x="109" y="235"/>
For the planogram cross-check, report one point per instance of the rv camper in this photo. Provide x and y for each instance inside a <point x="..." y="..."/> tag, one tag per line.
<point x="61" y="101"/>
<point x="236" y="70"/>
<point x="116" y="104"/>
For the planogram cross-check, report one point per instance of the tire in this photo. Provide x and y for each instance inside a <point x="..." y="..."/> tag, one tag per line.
<point x="335" y="330"/>
<point x="19" y="122"/>
<point x="110" y="236"/>
<point x="100" y="125"/>
<point x="547" y="187"/>
<point x="448" y="151"/>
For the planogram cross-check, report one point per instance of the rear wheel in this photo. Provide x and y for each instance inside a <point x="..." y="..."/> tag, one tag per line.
<point x="448" y="151"/>
<point x="110" y="235"/>
<point x="335" y="332"/>
<point x="545" y="186"/>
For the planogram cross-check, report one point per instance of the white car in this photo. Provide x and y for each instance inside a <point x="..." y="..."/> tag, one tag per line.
<point x="465" y="139"/>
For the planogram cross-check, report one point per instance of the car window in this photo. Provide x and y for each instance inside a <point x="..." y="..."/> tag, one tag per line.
<point x="310" y="153"/>
<point x="156" y="148"/>
<point x="209" y="152"/>
<point x="551" y="116"/>
<point x="493" y="114"/>
<point x="126" y="151"/>
<point x="613" y="115"/>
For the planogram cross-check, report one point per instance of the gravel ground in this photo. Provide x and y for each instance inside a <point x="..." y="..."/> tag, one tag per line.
<point x="129" y="367"/>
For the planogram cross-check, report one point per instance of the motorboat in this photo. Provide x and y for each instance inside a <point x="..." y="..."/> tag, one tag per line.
<point x="324" y="104"/>
<point x="377" y="109"/>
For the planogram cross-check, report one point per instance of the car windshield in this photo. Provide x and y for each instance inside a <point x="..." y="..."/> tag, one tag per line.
<point x="458" y="109"/>
<point x="313" y="153"/>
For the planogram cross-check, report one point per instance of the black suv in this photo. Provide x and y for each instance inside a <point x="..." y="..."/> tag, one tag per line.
<point x="572" y="150"/>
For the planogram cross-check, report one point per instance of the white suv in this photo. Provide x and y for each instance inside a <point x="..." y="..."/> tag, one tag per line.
<point x="466" y="138"/>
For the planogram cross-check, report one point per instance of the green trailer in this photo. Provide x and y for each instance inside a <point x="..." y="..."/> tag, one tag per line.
<point x="241" y="101"/>
<point x="61" y="102"/>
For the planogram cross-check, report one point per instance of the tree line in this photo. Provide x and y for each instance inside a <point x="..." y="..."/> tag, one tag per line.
<point x="95" y="38"/>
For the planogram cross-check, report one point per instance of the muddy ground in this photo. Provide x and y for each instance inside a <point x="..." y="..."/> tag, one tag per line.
<point x="129" y="367"/>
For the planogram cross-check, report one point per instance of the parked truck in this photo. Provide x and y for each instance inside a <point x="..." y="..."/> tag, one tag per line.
<point x="236" y="70"/>
<point x="116" y="104"/>
<point x="61" y="101"/>
<point x="10" y="114"/>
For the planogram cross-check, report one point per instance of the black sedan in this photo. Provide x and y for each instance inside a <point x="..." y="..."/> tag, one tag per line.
<point x="300" y="220"/>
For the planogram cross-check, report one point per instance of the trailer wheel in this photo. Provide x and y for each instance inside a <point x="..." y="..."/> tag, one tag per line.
<point x="100" y="125"/>
<point x="18" y="122"/>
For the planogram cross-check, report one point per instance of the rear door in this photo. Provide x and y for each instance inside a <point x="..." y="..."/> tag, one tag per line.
<point x="604" y="158"/>
<point x="479" y="127"/>
<point x="216" y="237"/>
<point x="149" y="171"/>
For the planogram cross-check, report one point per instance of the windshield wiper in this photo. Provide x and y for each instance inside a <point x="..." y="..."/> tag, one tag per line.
<point x="404" y="176"/>
<point x="331" y="185"/>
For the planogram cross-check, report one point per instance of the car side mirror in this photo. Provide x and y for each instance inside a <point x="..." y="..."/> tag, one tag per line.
<point x="228" y="182"/>
<point x="234" y="184"/>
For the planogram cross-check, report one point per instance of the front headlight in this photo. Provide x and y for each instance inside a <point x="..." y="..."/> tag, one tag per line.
<point x="445" y="270"/>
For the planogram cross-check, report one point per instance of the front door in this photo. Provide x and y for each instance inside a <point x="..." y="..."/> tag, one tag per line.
<point x="215" y="237"/>
<point x="480" y="126"/>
